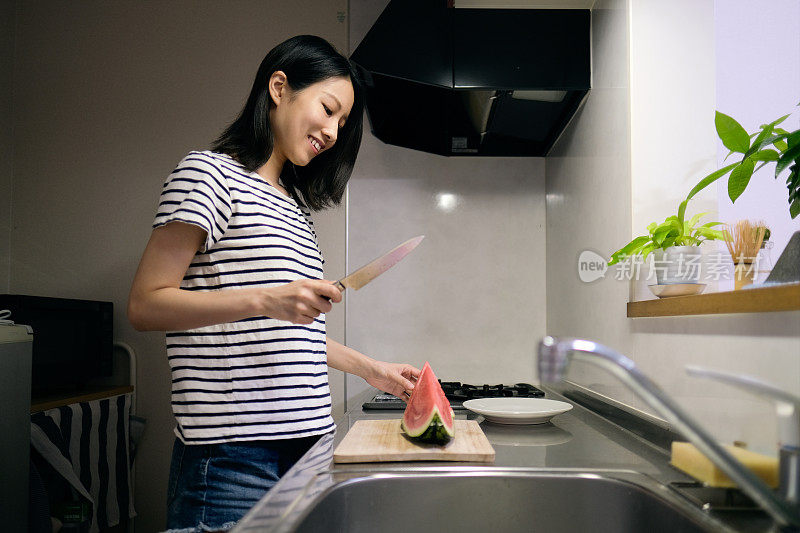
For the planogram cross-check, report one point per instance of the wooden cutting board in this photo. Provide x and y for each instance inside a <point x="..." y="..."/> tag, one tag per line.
<point x="373" y="441"/>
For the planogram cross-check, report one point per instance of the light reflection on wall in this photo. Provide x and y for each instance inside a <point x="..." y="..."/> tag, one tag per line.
<point x="447" y="201"/>
<point x="554" y="199"/>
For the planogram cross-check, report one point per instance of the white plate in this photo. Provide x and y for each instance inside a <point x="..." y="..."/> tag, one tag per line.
<point x="677" y="289"/>
<point x="517" y="410"/>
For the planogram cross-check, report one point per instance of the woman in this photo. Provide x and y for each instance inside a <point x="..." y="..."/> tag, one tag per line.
<point x="233" y="273"/>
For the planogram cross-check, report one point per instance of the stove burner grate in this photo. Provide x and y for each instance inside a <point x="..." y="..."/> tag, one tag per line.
<point x="458" y="393"/>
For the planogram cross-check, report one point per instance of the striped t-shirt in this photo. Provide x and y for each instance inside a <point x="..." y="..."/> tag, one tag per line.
<point x="257" y="378"/>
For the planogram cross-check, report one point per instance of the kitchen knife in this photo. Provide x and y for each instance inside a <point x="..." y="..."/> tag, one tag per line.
<point x="372" y="270"/>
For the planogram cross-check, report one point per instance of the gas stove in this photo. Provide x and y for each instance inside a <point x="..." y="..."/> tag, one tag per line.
<point x="458" y="393"/>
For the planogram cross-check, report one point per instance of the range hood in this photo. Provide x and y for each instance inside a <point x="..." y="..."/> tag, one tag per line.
<point x="474" y="82"/>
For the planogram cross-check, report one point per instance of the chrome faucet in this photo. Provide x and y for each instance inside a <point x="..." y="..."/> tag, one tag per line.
<point x="554" y="358"/>
<point x="787" y="409"/>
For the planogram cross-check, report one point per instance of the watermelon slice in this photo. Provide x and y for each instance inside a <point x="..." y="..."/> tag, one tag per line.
<point x="428" y="416"/>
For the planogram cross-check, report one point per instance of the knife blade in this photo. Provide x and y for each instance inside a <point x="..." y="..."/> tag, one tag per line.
<point x="372" y="270"/>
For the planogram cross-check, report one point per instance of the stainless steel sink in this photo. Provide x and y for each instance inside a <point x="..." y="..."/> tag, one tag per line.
<point x="499" y="501"/>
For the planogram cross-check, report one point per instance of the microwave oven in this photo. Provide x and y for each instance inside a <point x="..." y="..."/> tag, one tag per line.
<point x="73" y="340"/>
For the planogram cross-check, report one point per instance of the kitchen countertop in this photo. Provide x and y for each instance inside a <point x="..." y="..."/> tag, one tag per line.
<point x="578" y="440"/>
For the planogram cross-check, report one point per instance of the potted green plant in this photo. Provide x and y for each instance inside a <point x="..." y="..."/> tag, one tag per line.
<point x="675" y="244"/>
<point x="767" y="233"/>
<point x="770" y="144"/>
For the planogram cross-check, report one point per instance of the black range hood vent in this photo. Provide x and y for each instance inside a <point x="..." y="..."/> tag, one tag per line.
<point x="474" y="82"/>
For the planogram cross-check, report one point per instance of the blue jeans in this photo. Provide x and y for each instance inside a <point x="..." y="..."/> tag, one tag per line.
<point x="212" y="486"/>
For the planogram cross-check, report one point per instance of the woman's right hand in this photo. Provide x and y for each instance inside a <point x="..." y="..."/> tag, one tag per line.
<point x="300" y="301"/>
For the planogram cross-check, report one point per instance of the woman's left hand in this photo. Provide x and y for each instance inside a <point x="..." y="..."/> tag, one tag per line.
<point x="394" y="378"/>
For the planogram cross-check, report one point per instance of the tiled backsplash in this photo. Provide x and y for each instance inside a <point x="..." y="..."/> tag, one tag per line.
<point x="471" y="298"/>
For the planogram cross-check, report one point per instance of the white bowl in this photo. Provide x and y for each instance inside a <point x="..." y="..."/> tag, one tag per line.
<point x="517" y="410"/>
<point x="676" y="289"/>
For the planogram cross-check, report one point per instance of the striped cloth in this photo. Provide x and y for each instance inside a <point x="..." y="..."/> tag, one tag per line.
<point x="87" y="444"/>
<point x="258" y="378"/>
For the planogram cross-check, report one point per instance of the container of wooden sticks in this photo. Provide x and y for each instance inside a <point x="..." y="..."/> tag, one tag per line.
<point x="744" y="240"/>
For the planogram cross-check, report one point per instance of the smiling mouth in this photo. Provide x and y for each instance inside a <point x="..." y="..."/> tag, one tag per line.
<point x="315" y="145"/>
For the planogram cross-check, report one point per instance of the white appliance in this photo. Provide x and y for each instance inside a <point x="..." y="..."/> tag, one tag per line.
<point x="16" y="344"/>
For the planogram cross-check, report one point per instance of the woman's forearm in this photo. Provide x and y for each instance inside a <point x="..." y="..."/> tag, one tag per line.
<point x="394" y="378"/>
<point x="157" y="303"/>
<point x="174" y="309"/>
<point x="349" y="360"/>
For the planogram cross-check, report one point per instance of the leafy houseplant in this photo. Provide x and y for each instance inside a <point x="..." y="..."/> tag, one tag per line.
<point x="771" y="144"/>
<point x="767" y="233"/>
<point x="675" y="237"/>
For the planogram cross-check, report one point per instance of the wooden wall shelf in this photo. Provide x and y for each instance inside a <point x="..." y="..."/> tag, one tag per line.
<point x="762" y="299"/>
<point x="97" y="393"/>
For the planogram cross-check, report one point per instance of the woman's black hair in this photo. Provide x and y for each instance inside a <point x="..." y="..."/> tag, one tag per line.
<point x="305" y="59"/>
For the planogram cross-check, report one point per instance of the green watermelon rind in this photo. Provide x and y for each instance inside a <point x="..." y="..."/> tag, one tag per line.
<point x="434" y="431"/>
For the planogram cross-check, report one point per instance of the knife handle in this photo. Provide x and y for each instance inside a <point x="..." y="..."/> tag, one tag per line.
<point x="339" y="286"/>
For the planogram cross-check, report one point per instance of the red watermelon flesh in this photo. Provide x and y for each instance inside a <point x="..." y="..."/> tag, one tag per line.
<point x="428" y="416"/>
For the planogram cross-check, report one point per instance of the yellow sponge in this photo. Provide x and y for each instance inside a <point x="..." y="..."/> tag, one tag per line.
<point x="687" y="458"/>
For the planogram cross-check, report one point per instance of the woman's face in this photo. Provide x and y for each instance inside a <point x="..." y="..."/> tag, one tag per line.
<point x="306" y="123"/>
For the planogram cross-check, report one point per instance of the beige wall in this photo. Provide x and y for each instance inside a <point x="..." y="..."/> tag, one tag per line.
<point x="6" y="136"/>
<point x="109" y="96"/>
<point x="471" y="298"/>
<point x="604" y="183"/>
